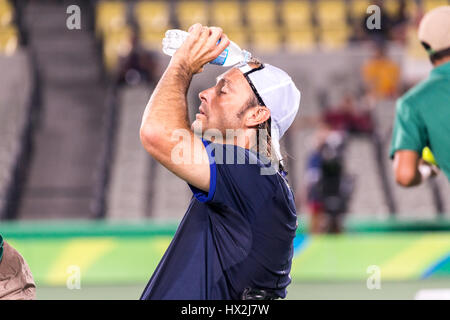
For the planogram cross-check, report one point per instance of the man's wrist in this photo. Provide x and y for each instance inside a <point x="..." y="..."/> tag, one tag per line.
<point x="181" y="68"/>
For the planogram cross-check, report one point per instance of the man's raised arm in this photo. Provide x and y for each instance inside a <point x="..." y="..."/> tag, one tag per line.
<point x="165" y="118"/>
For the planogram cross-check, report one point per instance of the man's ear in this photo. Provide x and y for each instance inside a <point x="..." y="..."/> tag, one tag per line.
<point x="256" y="115"/>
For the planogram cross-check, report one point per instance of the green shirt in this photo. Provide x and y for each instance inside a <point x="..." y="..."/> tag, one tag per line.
<point x="423" y="118"/>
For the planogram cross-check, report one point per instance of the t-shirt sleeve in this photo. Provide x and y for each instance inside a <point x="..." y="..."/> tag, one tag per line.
<point x="234" y="181"/>
<point x="409" y="130"/>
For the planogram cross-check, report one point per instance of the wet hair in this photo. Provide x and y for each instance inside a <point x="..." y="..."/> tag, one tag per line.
<point x="263" y="147"/>
<point x="266" y="147"/>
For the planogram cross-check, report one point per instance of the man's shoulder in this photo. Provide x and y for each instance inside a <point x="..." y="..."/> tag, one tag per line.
<point x="419" y="94"/>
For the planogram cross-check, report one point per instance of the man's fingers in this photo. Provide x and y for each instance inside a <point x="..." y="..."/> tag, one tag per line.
<point x="194" y="26"/>
<point x="223" y="44"/>
<point x="195" y="31"/>
<point x="215" y="35"/>
<point x="204" y="34"/>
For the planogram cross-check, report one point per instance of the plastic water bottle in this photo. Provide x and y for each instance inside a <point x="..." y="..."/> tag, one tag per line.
<point x="229" y="57"/>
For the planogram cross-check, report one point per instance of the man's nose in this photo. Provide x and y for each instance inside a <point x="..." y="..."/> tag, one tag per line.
<point x="203" y="95"/>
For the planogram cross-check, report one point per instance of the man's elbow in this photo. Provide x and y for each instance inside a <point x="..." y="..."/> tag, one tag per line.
<point x="406" y="178"/>
<point x="150" y="138"/>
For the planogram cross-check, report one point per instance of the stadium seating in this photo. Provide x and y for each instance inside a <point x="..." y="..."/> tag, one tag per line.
<point x="334" y="38"/>
<point x="127" y="191"/>
<point x="110" y="16"/>
<point x="6" y="13"/>
<point x="358" y="8"/>
<point x="263" y="25"/>
<point x="153" y="18"/>
<point x="8" y="40"/>
<point x="152" y="15"/>
<point x="228" y="15"/>
<point x="296" y="14"/>
<point x="14" y="76"/>
<point x="111" y="27"/>
<point x="192" y="11"/>
<point x="431" y="4"/>
<point x="331" y="13"/>
<point x="332" y="19"/>
<point x="300" y="40"/>
<point x="9" y="36"/>
<point x="116" y="44"/>
<point x="298" y="29"/>
<point x="261" y="14"/>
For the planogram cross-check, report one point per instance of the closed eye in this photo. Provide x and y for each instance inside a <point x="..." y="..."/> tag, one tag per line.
<point x="222" y="86"/>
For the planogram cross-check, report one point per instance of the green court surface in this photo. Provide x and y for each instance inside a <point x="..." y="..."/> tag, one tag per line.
<point x="296" y="291"/>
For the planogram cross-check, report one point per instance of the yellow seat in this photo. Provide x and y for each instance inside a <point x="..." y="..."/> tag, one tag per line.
<point x="240" y="37"/>
<point x="334" y="38"/>
<point x="331" y="13"/>
<point x="296" y="14"/>
<point x="391" y="6"/>
<point x="431" y="4"/>
<point x="226" y="14"/>
<point x="261" y="14"/>
<point x="152" y="15"/>
<point x="266" y="41"/>
<point x="116" y="44"/>
<point x="300" y="40"/>
<point x="6" y="13"/>
<point x="152" y="39"/>
<point x="9" y="40"/>
<point x="110" y="16"/>
<point x="191" y="12"/>
<point x="358" y="8"/>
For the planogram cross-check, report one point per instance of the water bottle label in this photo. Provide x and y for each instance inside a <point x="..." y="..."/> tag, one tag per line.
<point x="220" y="60"/>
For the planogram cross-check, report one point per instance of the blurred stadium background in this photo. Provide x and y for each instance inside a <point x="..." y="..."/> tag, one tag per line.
<point x="77" y="188"/>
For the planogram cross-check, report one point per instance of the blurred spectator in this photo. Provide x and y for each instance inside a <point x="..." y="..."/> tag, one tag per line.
<point x="346" y="116"/>
<point x="328" y="187"/>
<point x="357" y="33"/>
<point x="400" y="23"/>
<point x="381" y="75"/>
<point x="313" y="175"/>
<point x="139" y="66"/>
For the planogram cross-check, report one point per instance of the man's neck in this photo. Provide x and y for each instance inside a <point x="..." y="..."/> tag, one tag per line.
<point x="441" y="62"/>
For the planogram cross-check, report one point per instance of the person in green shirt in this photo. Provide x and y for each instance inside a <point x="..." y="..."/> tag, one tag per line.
<point x="423" y="113"/>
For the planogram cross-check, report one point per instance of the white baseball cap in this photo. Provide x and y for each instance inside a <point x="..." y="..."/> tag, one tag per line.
<point x="434" y="30"/>
<point x="274" y="89"/>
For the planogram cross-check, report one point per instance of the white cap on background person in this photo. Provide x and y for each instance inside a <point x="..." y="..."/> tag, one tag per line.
<point x="434" y="30"/>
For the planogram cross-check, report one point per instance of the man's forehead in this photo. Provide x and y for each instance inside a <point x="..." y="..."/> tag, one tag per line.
<point x="231" y="75"/>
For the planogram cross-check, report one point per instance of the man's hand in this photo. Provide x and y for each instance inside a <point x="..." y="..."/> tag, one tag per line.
<point x="427" y="170"/>
<point x="200" y="48"/>
<point x="410" y="170"/>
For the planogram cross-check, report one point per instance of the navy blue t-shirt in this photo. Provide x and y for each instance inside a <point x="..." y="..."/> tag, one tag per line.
<point x="237" y="235"/>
